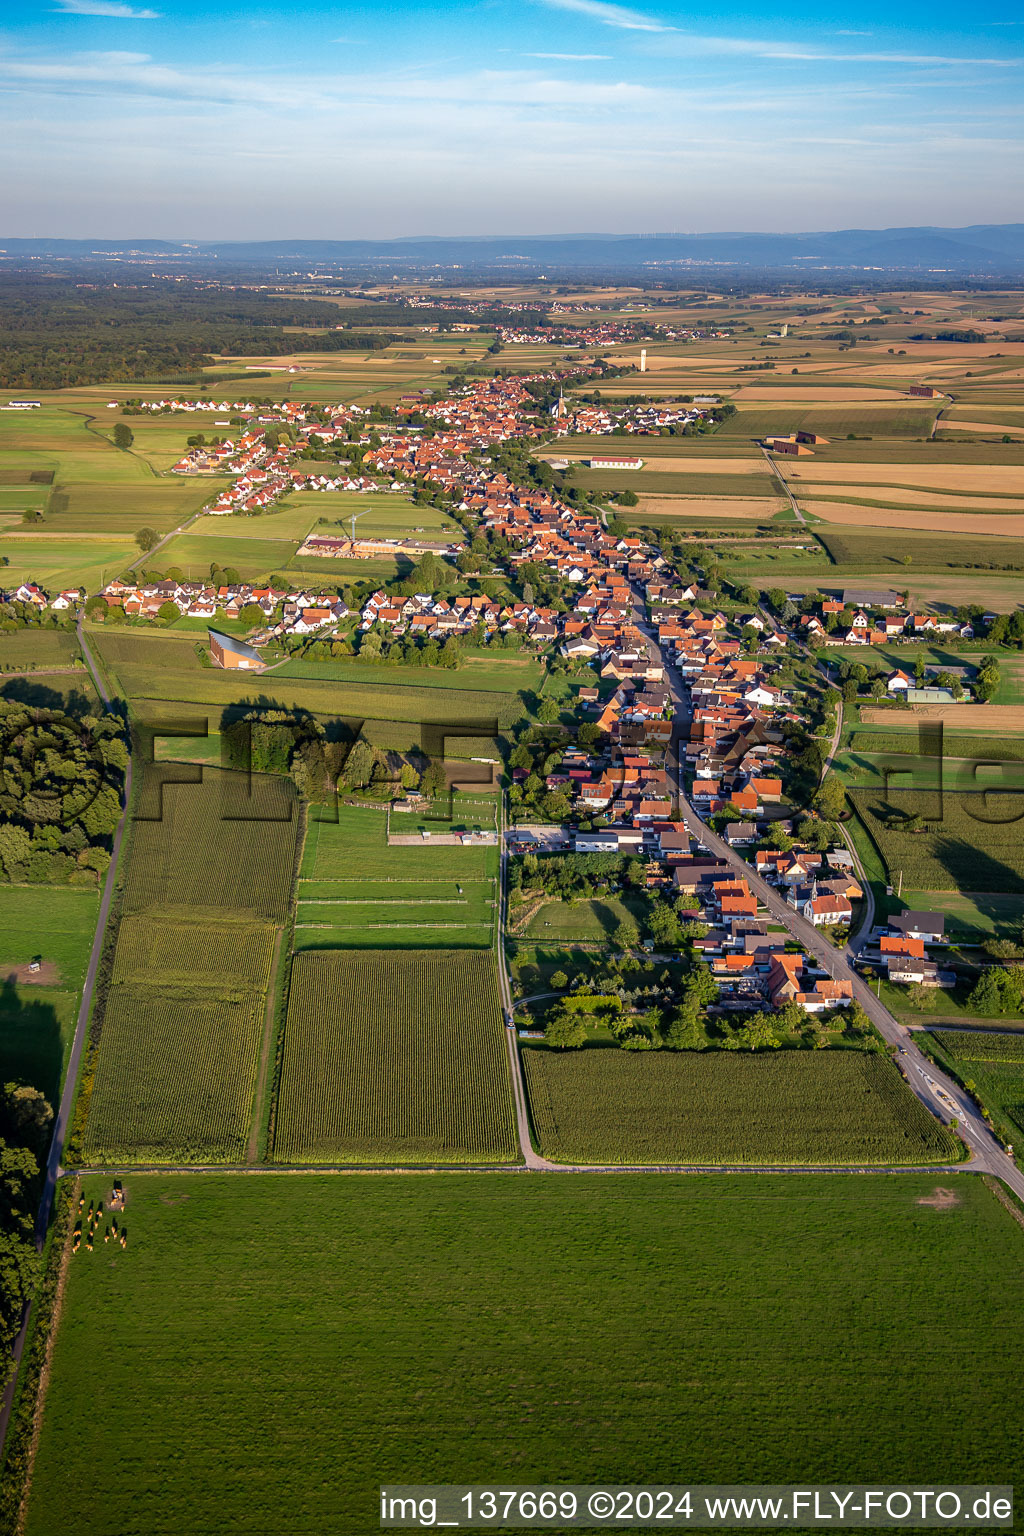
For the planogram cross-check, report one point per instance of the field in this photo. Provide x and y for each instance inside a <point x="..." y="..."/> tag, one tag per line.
<point x="972" y="842"/>
<point x="176" y="1076"/>
<point x="400" y="701"/>
<point x="479" y="674"/>
<point x="1000" y="719"/>
<point x="394" y="1056"/>
<point x="433" y="1328"/>
<point x="37" y="649"/>
<point x="55" y="923"/>
<point x="211" y="846"/>
<point x="994" y="1064"/>
<point x="354" y="849"/>
<point x="207" y="885"/>
<point x="561" y="922"/>
<point x="971" y="916"/>
<point x="600" y="1105"/>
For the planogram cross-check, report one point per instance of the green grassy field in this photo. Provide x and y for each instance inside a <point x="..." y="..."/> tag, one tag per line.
<point x="400" y="701"/>
<point x="389" y="516"/>
<point x="971" y="916"/>
<point x="394" y="1056"/>
<point x="57" y="924"/>
<point x="603" y="1105"/>
<point x="477" y="674"/>
<point x="57" y="562"/>
<point x="38" y="649"/>
<point x="94" y="507"/>
<point x="872" y="549"/>
<point x="558" y="922"/>
<point x="253" y="558"/>
<point x="355" y="849"/>
<point x="972" y="842"/>
<point x="338" y="1336"/>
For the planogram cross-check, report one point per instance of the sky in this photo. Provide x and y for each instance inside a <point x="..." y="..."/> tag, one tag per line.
<point x="187" y="120"/>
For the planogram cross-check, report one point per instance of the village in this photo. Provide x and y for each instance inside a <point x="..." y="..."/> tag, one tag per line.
<point x="661" y="663"/>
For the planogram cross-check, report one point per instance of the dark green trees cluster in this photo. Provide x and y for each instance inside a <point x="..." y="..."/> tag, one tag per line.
<point x="60" y="793"/>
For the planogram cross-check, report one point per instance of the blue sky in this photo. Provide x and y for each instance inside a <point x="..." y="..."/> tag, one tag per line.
<point x="214" y="120"/>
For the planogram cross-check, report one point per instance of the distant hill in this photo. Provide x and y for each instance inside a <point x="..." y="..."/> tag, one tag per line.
<point x="984" y="250"/>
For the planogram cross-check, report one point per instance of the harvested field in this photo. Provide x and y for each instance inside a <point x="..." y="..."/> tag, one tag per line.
<point x="783" y="395"/>
<point x="707" y="506"/>
<point x="900" y="495"/>
<point x="978" y="426"/>
<point x="997" y="719"/>
<point x="1002" y="479"/>
<point x="1009" y="524"/>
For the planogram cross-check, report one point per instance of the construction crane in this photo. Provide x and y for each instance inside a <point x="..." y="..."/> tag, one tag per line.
<point x="355" y="516"/>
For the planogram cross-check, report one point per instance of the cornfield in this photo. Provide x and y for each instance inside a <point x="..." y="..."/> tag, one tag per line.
<point x="191" y="958"/>
<point x="981" y="1045"/>
<point x="394" y="1056"/>
<point x="213" y="844"/>
<point x="175" y="1078"/>
<point x="821" y="1109"/>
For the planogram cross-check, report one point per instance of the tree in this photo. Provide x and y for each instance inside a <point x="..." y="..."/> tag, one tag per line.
<point x="123" y="435"/>
<point x="252" y="615"/>
<point x="759" y="1033"/>
<point x="628" y="499"/>
<point x="564" y="1030"/>
<point x="626" y="935"/>
<point x="359" y="764"/>
<point x="830" y="800"/>
<point x="147" y="539"/>
<point x="15" y="847"/>
<point x="547" y="711"/>
<point x="435" y="780"/>
<point x="778" y="838"/>
<point x="168" y="612"/>
<point x="685" y="1032"/>
<point x="559" y="981"/>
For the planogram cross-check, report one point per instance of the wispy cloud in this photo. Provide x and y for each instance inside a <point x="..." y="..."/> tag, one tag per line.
<point x="571" y="57"/>
<point x="104" y="8"/>
<point x="611" y="15"/>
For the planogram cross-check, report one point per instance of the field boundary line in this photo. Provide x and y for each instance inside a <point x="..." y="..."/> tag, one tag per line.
<point x="260" y="1085"/>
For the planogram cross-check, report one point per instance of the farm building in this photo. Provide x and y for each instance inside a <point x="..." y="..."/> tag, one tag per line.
<point x="616" y="461"/>
<point x="923" y="392"/>
<point x="787" y="445"/>
<point x="811" y="437"/>
<point x="232" y="654"/>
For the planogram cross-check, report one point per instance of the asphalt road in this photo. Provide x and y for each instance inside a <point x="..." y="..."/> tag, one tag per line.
<point x="937" y="1091"/>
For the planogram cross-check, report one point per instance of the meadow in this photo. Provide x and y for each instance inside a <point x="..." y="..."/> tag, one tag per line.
<point x="401" y="701"/>
<point x="355" y="849"/>
<point x="57" y="925"/>
<point x="820" y="1109"/>
<point x="394" y="1056"/>
<point x="563" y="922"/>
<point x="35" y="650"/>
<point x="467" y="1324"/>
